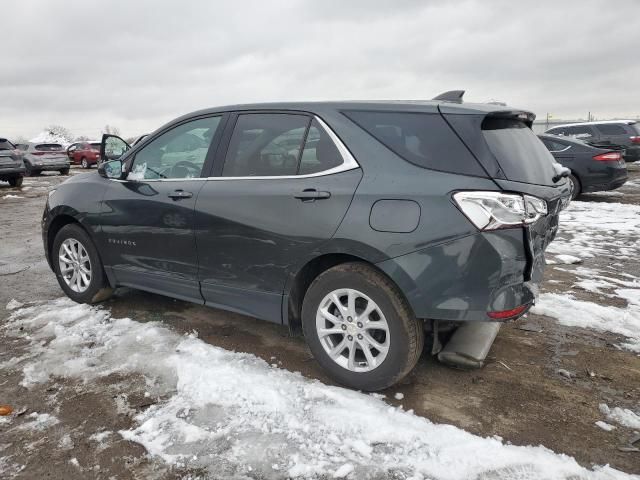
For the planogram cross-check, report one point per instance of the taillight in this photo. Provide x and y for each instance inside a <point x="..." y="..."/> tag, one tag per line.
<point x="608" y="157"/>
<point x="635" y="139"/>
<point x="494" y="210"/>
<point x="508" y="314"/>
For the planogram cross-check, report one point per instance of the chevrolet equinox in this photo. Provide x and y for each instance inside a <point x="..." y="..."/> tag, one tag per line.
<point x="357" y="221"/>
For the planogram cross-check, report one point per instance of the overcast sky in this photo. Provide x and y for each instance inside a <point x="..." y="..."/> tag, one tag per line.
<point x="137" y="64"/>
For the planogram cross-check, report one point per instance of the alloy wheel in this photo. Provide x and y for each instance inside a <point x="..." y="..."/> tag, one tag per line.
<point x="75" y="265"/>
<point x="352" y="330"/>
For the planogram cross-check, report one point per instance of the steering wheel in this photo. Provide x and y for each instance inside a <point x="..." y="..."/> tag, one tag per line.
<point x="187" y="164"/>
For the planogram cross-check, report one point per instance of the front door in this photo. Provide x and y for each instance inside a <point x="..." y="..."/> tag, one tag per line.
<point x="148" y="218"/>
<point x="281" y="190"/>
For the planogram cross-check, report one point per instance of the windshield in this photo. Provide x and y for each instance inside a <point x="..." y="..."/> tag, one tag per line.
<point x="521" y="155"/>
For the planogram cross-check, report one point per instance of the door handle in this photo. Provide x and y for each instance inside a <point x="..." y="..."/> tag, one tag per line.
<point x="311" y="194"/>
<point x="179" y="194"/>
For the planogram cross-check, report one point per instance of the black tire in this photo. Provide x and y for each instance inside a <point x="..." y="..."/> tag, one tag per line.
<point x="406" y="333"/>
<point x="577" y="188"/>
<point x="16" y="182"/>
<point x="30" y="172"/>
<point x="64" y="171"/>
<point x="98" y="288"/>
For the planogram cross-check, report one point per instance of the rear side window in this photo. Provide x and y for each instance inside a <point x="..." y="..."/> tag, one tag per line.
<point x="95" y="146"/>
<point x="48" y="147"/>
<point x="520" y="153"/>
<point x="579" y="131"/>
<point x="265" y="145"/>
<point x="611" y="129"/>
<point x="424" y="139"/>
<point x="555" y="146"/>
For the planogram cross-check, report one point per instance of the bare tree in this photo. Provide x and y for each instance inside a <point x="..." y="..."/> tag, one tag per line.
<point x="82" y="138"/>
<point x="111" y="130"/>
<point x="60" y="131"/>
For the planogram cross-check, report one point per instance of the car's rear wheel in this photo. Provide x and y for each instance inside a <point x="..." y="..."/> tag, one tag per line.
<point x="15" y="182"/>
<point x="78" y="267"/>
<point x="84" y="163"/>
<point x="360" y="328"/>
<point x="576" y="188"/>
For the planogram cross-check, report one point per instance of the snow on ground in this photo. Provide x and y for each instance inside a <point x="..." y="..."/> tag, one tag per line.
<point x="622" y="416"/>
<point x="611" y="232"/>
<point x="232" y="413"/>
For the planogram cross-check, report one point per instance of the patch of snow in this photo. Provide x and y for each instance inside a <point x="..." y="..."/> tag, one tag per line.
<point x="74" y="462"/>
<point x="568" y="259"/>
<point x="605" y="426"/>
<point x="622" y="416"/>
<point x="65" y="442"/>
<point x="577" y="313"/>
<point x="399" y="396"/>
<point x="100" y="436"/>
<point x="12" y="196"/>
<point x="48" y="137"/>
<point x="230" y="413"/>
<point x="13" y="304"/>
<point x="39" y="421"/>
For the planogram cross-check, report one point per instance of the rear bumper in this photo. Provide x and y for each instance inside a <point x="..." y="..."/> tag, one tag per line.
<point x="11" y="171"/>
<point x="464" y="279"/>
<point x="632" y="154"/>
<point x="615" y="179"/>
<point x="50" y="166"/>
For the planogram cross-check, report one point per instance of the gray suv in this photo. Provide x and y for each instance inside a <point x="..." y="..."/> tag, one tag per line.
<point x="357" y="221"/>
<point x="604" y="134"/>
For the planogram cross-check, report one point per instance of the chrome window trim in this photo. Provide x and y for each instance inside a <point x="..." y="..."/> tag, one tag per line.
<point x="559" y="151"/>
<point x="348" y="163"/>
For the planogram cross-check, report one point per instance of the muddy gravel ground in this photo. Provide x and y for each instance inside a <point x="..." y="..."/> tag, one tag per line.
<point x="542" y="384"/>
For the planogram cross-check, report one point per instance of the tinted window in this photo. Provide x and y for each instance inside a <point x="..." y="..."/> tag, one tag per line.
<point x="556" y="131"/>
<point x="265" y="144"/>
<point x="611" y="129"/>
<point x="5" y="144"/>
<point x="49" y="147"/>
<point x="554" y="146"/>
<point x="95" y="146"/>
<point x="636" y="127"/>
<point x="320" y="153"/>
<point x="579" y="131"/>
<point x="178" y="153"/>
<point x="522" y="156"/>
<point x="420" y="138"/>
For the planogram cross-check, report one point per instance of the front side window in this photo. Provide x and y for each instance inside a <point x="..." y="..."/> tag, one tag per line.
<point x="178" y="153"/>
<point x="265" y="144"/>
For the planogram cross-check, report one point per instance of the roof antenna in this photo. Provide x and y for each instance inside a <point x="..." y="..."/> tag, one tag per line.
<point x="454" y="96"/>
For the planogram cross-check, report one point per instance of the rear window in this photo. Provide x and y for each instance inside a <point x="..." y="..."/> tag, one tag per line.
<point x="611" y="129"/>
<point x="424" y="139"/>
<point x="49" y="147"/>
<point x="520" y="153"/>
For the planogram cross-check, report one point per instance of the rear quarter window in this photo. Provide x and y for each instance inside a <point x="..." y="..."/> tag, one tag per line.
<point x="423" y="139"/>
<point x="611" y="129"/>
<point x="520" y="153"/>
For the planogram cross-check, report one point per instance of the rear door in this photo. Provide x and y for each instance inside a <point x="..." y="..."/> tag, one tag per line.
<point x="148" y="218"/>
<point x="281" y="185"/>
<point x="614" y="134"/>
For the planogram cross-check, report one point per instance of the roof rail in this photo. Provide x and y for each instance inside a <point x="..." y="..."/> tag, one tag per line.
<point x="454" y="96"/>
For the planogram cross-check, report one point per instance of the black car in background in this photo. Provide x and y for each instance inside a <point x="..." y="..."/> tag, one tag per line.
<point x="593" y="169"/>
<point x="357" y="221"/>
<point x="622" y="133"/>
<point x="11" y="165"/>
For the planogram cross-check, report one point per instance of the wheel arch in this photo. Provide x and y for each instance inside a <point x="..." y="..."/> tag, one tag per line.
<point x="300" y="282"/>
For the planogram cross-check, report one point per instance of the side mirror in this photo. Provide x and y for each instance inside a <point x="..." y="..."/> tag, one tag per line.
<point x="112" y="147"/>
<point x="110" y="169"/>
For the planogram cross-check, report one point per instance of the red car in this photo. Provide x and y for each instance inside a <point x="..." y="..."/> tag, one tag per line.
<point x="84" y="153"/>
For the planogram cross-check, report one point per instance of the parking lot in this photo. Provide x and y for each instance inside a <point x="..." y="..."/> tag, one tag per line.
<point x="545" y="383"/>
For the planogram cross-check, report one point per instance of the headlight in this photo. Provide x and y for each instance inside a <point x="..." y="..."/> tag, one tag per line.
<point x="493" y="210"/>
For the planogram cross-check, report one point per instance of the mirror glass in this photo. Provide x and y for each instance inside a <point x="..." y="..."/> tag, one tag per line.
<point x="113" y="168"/>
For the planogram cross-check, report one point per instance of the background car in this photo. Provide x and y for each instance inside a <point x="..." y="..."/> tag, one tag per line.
<point x="593" y="169"/>
<point x="84" y="153"/>
<point x="11" y="166"/>
<point x="39" y="157"/>
<point x="623" y="133"/>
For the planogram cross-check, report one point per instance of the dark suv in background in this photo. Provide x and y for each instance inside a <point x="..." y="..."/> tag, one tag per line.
<point x="623" y="133"/>
<point x="11" y="166"/>
<point x="357" y="220"/>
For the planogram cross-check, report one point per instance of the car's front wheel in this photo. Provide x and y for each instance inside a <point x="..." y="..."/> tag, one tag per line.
<point x="15" y="181"/>
<point x="78" y="267"/>
<point x="360" y="328"/>
<point x="575" y="187"/>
